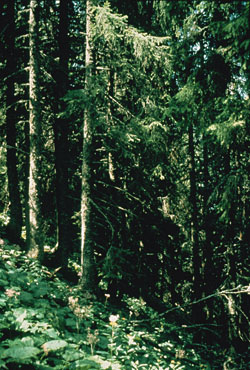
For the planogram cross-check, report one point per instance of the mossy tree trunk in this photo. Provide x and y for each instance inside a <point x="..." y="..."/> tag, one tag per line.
<point x="88" y="267"/>
<point x="35" y="231"/>
<point x="194" y="229"/>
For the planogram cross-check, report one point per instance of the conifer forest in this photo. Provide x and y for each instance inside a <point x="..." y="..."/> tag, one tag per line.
<point x="124" y="184"/>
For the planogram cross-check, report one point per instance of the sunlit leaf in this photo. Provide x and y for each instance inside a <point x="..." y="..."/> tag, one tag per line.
<point x="54" y="345"/>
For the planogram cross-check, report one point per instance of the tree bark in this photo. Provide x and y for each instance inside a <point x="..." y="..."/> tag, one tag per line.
<point x="209" y="280"/>
<point x="14" y="227"/>
<point x="88" y="268"/>
<point x="61" y="131"/>
<point x="34" y="232"/>
<point x="196" y="259"/>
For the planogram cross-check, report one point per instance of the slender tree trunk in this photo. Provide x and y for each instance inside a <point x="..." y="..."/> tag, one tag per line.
<point x="34" y="232"/>
<point x="113" y="181"/>
<point x="197" y="282"/>
<point x="209" y="284"/>
<point x="233" y="302"/>
<point x="61" y="129"/>
<point x="88" y="273"/>
<point x="14" y="227"/>
<point x="111" y="93"/>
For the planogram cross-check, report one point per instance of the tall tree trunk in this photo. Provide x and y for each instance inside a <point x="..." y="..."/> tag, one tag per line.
<point x="61" y="128"/>
<point x="88" y="273"/>
<point x="196" y="259"/>
<point x="208" y="244"/>
<point x="231" y="231"/>
<point x="34" y="232"/>
<point x="14" y="227"/>
<point x="210" y="282"/>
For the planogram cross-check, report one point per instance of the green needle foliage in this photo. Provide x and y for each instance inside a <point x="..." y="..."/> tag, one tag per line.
<point x="124" y="173"/>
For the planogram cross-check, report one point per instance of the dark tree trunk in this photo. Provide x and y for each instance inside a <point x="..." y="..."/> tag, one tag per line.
<point x="210" y="280"/>
<point x="14" y="227"/>
<point x="61" y="132"/>
<point x="233" y="302"/>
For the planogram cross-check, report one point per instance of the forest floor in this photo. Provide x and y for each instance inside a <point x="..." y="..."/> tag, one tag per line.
<point x="47" y="323"/>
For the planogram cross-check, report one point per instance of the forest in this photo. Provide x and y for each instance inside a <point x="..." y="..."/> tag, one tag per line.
<point x="124" y="184"/>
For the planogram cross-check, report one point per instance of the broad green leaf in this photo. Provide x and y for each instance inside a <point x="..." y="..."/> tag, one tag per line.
<point x="73" y="354"/>
<point x="20" y="352"/>
<point x="84" y="365"/>
<point x="54" y="345"/>
<point x="20" y="314"/>
<point x="28" y="341"/>
<point x="52" y="333"/>
<point x="25" y="325"/>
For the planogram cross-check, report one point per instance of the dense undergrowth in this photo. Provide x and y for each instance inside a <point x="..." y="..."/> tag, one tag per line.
<point x="46" y="323"/>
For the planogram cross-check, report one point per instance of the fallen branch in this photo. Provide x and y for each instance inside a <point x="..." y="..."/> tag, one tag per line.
<point x="236" y="290"/>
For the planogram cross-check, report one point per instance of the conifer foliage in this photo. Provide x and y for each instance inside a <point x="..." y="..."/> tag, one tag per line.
<point x="124" y="168"/>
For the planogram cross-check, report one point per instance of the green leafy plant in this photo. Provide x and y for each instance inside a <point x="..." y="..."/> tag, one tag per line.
<point x="49" y="324"/>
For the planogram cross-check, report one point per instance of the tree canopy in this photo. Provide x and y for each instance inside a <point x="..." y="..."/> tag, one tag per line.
<point x="124" y="159"/>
